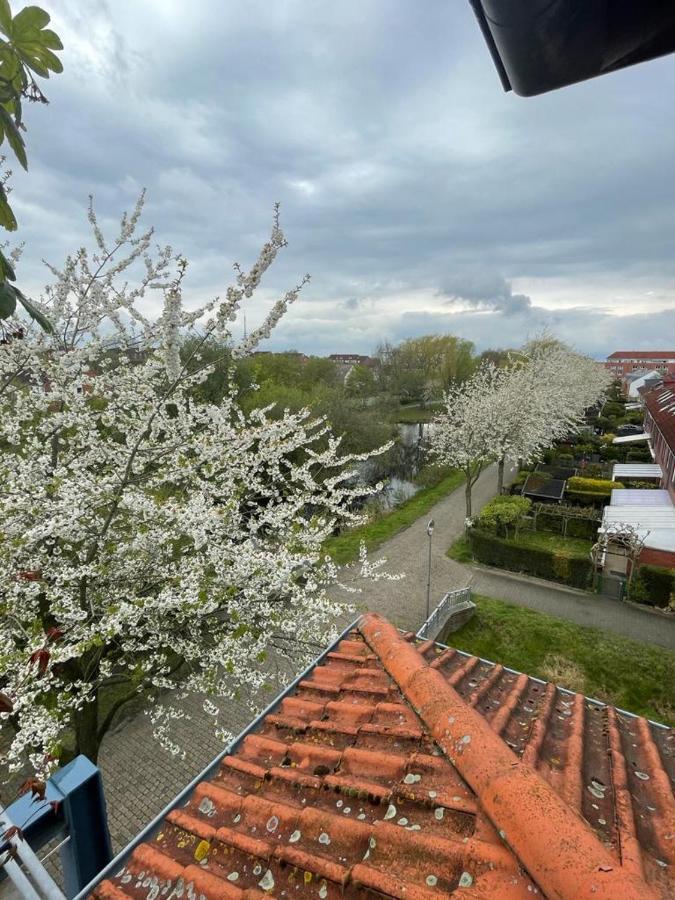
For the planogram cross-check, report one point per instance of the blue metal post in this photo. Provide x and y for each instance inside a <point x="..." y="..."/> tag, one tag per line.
<point x="79" y="812"/>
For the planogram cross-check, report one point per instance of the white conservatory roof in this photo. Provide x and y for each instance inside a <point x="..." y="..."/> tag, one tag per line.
<point x="636" y="470"/>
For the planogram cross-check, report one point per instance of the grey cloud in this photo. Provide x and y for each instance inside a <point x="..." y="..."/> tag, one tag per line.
<point x="483" y="290"/>
<point x="386" y="137"/>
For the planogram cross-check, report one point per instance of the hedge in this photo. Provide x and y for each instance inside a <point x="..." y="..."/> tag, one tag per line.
<point x="580" y="528"/>
<point x="654" y="586"/>
<point x="593" y="485"/>
<point x="508" y="554"/>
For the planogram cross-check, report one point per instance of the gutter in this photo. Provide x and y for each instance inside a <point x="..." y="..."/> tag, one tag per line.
<point x="115" y="864"/>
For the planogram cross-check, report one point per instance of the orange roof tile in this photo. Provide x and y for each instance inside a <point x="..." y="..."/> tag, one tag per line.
<point x="414" y="771"/>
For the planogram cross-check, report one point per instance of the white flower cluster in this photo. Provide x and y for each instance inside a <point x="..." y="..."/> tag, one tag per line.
<point x="517" y="411"/>
<point x="150" y="540"/>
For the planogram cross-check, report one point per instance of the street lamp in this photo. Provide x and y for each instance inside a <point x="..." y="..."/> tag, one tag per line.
<point x="430" y="531"/>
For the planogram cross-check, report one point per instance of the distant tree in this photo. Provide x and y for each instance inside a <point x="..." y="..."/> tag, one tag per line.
<point x="420" y="368"/>
<point x="360" y="382"/>
<point x="26" y="50"/>
<point x="318" y="370"/>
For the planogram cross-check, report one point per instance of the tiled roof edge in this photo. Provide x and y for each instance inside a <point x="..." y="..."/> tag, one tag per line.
<point x="206" y="773"/>
<point x="553" y="843"/>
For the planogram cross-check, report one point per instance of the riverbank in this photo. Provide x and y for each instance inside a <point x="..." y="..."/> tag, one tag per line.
<point x="345" y="547"/>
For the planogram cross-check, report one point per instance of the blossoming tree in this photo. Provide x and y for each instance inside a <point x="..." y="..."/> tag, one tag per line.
<point x="149" y="541"/>
<point x="464" y="434"/>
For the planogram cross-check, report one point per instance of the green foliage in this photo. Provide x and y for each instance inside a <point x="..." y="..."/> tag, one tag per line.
<point x="625" y="673"/>
<point x="593" y="485"/>
<point x="545" y="556"/>
<point x="25" y="50"/>
<point x="654" y="586"/>
<point x="501" y="512"/>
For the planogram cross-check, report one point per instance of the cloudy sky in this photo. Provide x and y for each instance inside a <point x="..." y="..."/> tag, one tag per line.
<point x="420" y="197"/>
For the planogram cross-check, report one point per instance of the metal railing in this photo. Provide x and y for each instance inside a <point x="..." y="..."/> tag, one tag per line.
<point x="452" y="603"/>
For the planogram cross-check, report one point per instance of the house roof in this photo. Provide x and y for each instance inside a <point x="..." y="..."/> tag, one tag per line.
<point x="407" y="769"/>
<point x="642" y="354"/>
<point x="660" y="403"/>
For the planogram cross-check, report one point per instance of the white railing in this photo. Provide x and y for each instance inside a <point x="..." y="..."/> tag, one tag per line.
<point x="452" y="603"/>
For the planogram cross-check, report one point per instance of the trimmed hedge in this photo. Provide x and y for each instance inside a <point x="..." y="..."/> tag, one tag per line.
<point x="654" y="586"/>
<point x="593" y="485"/>
<point x="508" y="554"/>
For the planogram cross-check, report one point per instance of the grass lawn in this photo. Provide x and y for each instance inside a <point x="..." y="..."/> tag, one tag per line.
<point x="412" y="414"/>
<point x="574" y="548"/>
<point x="461" y="550"/>
<point x="633" y="676"/>
<point x="345" y="547"/>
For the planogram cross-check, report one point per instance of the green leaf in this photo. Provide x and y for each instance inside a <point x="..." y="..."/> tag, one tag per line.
<point x="34" y="312"/>
<point x="7" y="218"/>
<point x="5" y="17"/>
<point x="29" y="18"/>
<point x="6" y="268"/>
<point x="13" y="136"/>
<point x="51" y="39"/>
<point x="7" y="300"/>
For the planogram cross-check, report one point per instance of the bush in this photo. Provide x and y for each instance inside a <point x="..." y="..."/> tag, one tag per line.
<point x="654" y="586"/>
<point x="508" y="554"/>
<point x="503" y="511"/>
<point x="593" y="485"/>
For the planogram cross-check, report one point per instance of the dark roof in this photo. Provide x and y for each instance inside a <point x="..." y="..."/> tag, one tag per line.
<point x="406" y="769"/>
<point x="660" y="402"/>
<point x="539" y="45"/>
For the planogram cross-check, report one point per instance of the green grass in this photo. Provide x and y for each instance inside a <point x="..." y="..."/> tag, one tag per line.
<point x="345" y="547"/>
<point x="574" y="548"/>
<point x="412" y="414"/>
<point x="633" y="676"/>
<point x="460" y="551"/>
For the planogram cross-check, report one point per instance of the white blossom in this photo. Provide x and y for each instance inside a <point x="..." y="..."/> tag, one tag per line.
<point x="149" y="540"/>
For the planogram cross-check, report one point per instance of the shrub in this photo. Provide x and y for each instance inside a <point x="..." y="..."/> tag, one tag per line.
<point x="503" y="511"/>
<point x="592" y="485"/>
<point x="508" y="554"/>
<point x="654" y="586"/>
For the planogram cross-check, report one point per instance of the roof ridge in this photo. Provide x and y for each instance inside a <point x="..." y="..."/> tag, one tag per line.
<point x="556" y="846"/>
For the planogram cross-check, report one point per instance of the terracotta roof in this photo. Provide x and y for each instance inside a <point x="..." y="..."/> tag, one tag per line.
<point x="660" y="402"/>
<point x="406" y="769"/>
<point x="642" y="354"/>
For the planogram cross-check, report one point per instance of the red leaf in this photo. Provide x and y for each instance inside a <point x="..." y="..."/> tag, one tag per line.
<point x="33" y="786"/>
<point x="41" y="657"/>
<point x="29" y="575"/>
<point x="54" y="633"/>
<point x="6" y="704"/>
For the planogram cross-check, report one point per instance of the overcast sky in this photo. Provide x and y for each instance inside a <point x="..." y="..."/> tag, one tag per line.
<point x="420" y="196"/>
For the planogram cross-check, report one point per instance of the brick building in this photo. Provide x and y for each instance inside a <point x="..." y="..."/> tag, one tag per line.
<point x="623" y="362"/>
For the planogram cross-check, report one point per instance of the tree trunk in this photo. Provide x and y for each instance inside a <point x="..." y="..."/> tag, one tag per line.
<point x="467" y="495"/>
<point x="500" y="475"/>
<point x="86" y="730"/>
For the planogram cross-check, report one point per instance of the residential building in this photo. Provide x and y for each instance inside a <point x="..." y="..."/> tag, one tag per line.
<point x="400" y="768"/>
<point x="659" y="424"/>
<point x="634" y="382"/>
<point x="622" y="362"/>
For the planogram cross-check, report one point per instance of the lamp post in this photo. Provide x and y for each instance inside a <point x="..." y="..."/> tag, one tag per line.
<point x="430" y="531"/>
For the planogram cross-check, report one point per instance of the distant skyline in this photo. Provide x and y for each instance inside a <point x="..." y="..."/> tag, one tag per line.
<point x="420" y="196"/>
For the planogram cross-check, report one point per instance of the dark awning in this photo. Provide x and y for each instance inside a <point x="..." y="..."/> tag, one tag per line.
<point x="541" y="45"/>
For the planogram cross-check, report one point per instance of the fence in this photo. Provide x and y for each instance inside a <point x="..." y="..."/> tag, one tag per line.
<point x="456" y="607"/>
